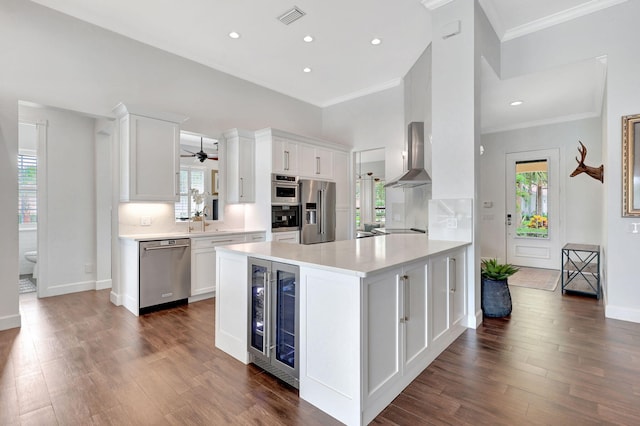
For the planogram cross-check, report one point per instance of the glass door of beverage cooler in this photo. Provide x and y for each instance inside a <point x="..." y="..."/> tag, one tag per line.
<point x="285" y="317"/>
<point x="259" y="307"/>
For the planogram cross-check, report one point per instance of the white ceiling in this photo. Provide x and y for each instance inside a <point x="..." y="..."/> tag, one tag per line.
<point x="344" y="63"/>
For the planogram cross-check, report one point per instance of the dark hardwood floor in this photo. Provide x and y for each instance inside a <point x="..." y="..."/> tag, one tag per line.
<point x="80" y="360"/>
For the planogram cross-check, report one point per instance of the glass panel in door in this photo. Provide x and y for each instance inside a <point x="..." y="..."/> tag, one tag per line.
<point x="258" y="303"/>
<point x="286" y="317"/>
<point x="532" y="183"/>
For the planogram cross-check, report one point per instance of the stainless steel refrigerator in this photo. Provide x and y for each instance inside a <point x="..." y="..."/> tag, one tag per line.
<point x="318" y="204"/>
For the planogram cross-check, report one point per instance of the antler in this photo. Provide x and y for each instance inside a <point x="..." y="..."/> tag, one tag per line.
<point x="594" y="172"/>
<point x="583" y="152"/>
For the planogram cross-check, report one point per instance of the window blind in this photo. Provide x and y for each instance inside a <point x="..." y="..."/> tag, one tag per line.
<point x="27" y="189"/>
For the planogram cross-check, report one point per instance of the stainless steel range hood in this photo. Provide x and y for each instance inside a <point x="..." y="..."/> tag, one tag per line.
<point x="416" y="175"/>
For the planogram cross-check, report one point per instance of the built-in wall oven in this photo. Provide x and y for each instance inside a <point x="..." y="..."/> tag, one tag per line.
<point x="285" y="218"/>
<point x="285" y="190"/>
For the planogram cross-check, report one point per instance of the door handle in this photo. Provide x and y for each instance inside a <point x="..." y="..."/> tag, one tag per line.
<point x="509" y="219"/>
<point x="286" y="160"/>
<point x="452" y="275"/>
<point x="319" y="213"/>
<point x="317" y="165"/>
<point x="266" y="321"/>
<point x="165" y="247"/>
<point x="406" y="302"/>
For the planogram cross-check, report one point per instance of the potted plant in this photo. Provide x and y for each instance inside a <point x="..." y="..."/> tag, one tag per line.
<point x="496" y="298"/>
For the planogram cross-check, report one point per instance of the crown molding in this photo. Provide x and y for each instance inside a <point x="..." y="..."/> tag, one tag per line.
<point x="434" y="4"/>
<point x="558" y="18"/>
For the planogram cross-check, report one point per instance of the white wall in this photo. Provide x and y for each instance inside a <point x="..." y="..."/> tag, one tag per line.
<point x="53" y="59"/>
<point x="613" y="32"/>
<point x="582" y="196"/>
<point x="370" y="122"/>
<point x="67" y="227"/>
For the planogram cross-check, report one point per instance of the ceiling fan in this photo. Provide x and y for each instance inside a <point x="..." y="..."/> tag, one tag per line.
<point x="199" y="155"/>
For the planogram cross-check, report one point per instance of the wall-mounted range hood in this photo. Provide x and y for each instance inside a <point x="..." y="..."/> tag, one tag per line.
<point x="416" y="175"/>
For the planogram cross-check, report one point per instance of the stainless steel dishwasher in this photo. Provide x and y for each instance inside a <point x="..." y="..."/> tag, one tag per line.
<point x="165" y="273"/>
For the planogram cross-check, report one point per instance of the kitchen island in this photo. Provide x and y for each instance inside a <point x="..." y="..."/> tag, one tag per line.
<point x="373" y="314"/>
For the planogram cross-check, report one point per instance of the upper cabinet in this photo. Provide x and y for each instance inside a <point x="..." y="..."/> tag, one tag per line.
<point x="149" y="155"/>
<point x="316" y="162"/>
<point x="240" y="166"/>
<point x="285" y="156"/>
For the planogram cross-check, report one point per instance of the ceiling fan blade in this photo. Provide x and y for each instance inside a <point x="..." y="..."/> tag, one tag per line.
<point x="187" y="155"/>
<point x="190" y="152"/>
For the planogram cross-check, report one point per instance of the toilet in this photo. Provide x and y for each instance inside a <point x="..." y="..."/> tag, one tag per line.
<point x="32" y="256"/>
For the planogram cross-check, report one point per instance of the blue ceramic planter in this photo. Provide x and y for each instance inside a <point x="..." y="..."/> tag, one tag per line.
<point x="496" y="298"/>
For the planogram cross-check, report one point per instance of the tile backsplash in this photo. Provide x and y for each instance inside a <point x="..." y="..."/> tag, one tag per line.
<point x="451" y="219"/>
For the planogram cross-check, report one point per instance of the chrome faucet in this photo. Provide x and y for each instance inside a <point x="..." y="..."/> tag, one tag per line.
<point x="205" y="213"/>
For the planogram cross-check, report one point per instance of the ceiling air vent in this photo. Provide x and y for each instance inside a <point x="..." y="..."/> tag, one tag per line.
<point x="291" y="15"/>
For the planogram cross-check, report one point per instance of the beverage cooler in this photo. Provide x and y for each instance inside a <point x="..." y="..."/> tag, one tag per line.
<point x="273" y="318"/>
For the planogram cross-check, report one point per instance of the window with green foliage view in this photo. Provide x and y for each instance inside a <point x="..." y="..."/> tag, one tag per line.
<point x="532" y="181"/>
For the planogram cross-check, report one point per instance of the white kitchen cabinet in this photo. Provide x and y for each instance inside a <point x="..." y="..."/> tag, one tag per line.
<point x="448" y="299"/>
<point x="415" y="303"/>
<point x="397" y="309"/>
<point x="255" y="237"/>
<point x="149" y="155"/>
<point x="203" y="262"/>
<point x="292" y="237"/>
<point x="383" y="347"/>
<point x="240" y="166"/>
<point x="344" y="217"/>
<point x="316" y="162"/>
<point x="284" y="156"/>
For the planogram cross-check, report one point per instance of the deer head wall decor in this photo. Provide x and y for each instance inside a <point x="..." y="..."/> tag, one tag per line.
<point x="595" y="172"/>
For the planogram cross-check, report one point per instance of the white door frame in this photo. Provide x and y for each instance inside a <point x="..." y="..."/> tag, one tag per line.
<point x="41" y="197"/>
<point x="532" y="252"/>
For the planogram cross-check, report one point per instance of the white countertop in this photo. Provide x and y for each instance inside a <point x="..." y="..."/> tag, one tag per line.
<point x="174" y="235"/>
<point x="358" y="257"/>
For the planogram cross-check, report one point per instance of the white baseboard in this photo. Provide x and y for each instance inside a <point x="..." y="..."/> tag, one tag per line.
<point x="474" y="321"/>
<point x="620" y="313"/>
<point x="115" y="298"/>
<point x="58" y="290"/>
<point x="203" y="296"/>
<point x="10" y="321"/>
<point x="104" y="284"/>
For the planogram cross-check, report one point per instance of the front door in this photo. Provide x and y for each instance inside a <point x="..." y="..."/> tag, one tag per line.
<point x="533" y="213"/>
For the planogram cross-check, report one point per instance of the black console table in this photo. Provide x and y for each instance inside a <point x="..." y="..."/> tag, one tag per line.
<point x="581" y="269"/>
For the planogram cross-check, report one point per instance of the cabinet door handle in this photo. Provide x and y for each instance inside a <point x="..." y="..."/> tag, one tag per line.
<point x="221" y="241"/>
<point x="317" y="165"/>
<point x="241" y="187"/>
<point x="453" y="282"/>
<point x="286" y="160"/>
<point x="406" y="308"/>
<point x="266" y="321"/>
<point x="178" y="184"/>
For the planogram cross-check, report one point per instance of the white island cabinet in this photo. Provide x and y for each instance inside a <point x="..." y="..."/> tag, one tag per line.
<point x="366" y="314"/>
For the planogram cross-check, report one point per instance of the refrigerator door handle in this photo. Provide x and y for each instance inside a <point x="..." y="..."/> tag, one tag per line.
<point x="319" y="213"/>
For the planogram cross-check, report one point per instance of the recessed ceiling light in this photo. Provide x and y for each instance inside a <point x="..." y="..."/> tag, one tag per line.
<point x="234" y="34"/>
<point x="376" y="41"/>
<point x="308" y="39"/>
<point x="306" y="69"/>
<point x="516" y="103"/>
